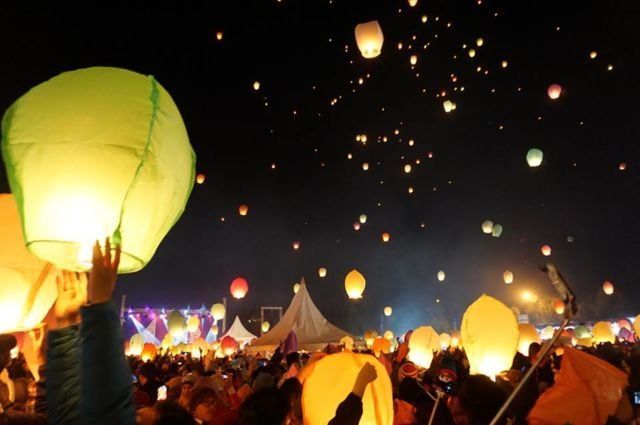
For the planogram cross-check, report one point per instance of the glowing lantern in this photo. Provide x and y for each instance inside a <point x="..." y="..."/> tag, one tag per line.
<point x="381" y="345"/>
<point x="455" y="339"/>
<point x="602" y="332"/>
<point x="193" y="324"/>
<point x="167" y="342"/>
<point x="441" y="276"/>
<point x="479" y="42"/>
<point x="413" y="59"/>
<point x="243" y="210"/>
<point x="407" y="168"/>
<point x="487" y="226"/>
<point x="388" y="311"/>
<point x="256" y="85"/>
<point x="239" y="288"/>
<point x="331" y="380"/>
<point x="534" y="157"/>
<point x="356" y="226"/>
<point x="504" y="64"/>
<point x="27" y="285"/>
<point x="449" y="106"/>
<point x="528" y="334"/>
<point x="369" y="38"/>
<point x="554" y="91"/>
<point x="582" y="332"/>
<point x="265" y="326"/>
<point x="200" y="345"/>
<point x="472" y="53"/>
<point x="179" y="348"/>
<point x="148" y="352"/>
<point x="424" y="341"/>
<point x="218" y="311"/>
<point x="322" y="272"/>
<point x="365" y="166"/>
<point x="219" y="35"/>
<point x="125" y="153"/>
<point x="496" y="231"/>
<point x="413" y="3"/>
<point x="388" y="334"/>
<point x="296" y="288"/>
<point x="622" y="166"/>
<point x="135" y="344"/>
<point x="508" y="277"/>
<point x="490" y="336"/>
<point x="296" y="245"/>
<point x="607" y="287"/>
<point x="445" y="340"/>
<point x="176" y="324"/>
<point x="424" y="19"/>
<point x="385" y="237"/>
<point x="370" y="336"/>
<point x="229" y="346"/>
<point x="200" y="178"/>
<point x="546" y="250"/>
<point x="347" y="341"/>
<point x="593" y="54"/>
<point x="558" y="306"/>
<point x="215" y="330"/>
<point x="354" y="284"/>
<point x="362" y="218"/>
<point x="547" y="333"/>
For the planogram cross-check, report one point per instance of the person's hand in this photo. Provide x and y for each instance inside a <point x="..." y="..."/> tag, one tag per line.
<point x="72" y="294"/>
<point x="366" y="375"/>
<point x="102" y="278"/>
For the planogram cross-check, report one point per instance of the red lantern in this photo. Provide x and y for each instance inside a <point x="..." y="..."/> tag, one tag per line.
<point x="200" y="178"/>
<point x="558" y="306"/>
<point x="554" y="91"/>
<point x="229" y="346"/>
<point x="385" y="237"/>
<point x="607" y="287"/>
<point x="243" y="210"/>
<point x="546" y="250"/>
<point x="239" y="288"/>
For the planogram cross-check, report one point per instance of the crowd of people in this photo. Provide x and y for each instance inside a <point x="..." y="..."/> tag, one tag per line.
<point x="86" y="379"/>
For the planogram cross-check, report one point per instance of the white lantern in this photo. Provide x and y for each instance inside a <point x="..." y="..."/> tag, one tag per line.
<point x="369" y="38"/>
<point x="534" y="157"/>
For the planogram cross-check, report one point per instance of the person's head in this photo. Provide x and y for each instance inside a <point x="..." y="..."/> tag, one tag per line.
<point x="409" y="390"/>
<point x="147" y="372"/>
<point x="7" y="343"/>
<point x="481" y="399"/>
<point x="292" y="358"/>
<point x="169" y="413"/>
<point x="187" y="384"/>
<point x="203" y="403"/>
<point x="267" y="406"/>
<point x="534" y="349"/>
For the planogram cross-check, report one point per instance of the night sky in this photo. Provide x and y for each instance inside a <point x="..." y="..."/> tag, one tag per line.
<point x="304" y="55"/>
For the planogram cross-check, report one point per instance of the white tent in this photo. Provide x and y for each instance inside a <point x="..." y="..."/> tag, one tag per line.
<point x="302" y="317"/>
<point x="238" y="332"/>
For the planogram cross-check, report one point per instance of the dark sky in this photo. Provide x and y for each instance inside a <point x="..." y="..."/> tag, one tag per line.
<point x="315" y="194"/>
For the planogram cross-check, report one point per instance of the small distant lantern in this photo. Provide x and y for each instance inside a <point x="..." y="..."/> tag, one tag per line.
<point x="243" y="210"/>
<point x="256" y="85"/>
<point x="322" y="272"/>
<point x="507" y="276"/>
<point x="200" y="178"/>
<point x="554" y="91"/>
<point x="546" y="250"/>
<point x="607" y="287"/>
<point x="496" y="231"/>
<point x="362" y="218"/>
<point x="441" y="276"/>
<point x="388" y="311"/>
<point x="413" y="59"/>
<point x="472" y="53"/>
<point x="296" y="245"/>
<point x="487" y="226"/>
<point x="296" y="288"/>
<point x="356" y="226"/>
<point x="386" y="237"/>
<point x="265" y="326"/>
<point x="534" y="157"/>
<point x="218" y="311"/>
<point x="558" y="306"/>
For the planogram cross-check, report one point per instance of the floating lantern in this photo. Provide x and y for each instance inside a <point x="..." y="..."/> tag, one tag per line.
<point x="356" y="226"/>
<point x="229" y="346"/>
<point x="407" y="168"/>
<point x="423" y="343"/>
<point x="331" y="381"/>
<point x="554" y="91"/>
<point x="354" y="284"/>
<point x="558" y="306"/>
<point x="193" y="324"/>
<point x="322" y="272"/>
<point x="547" y="333"/>
<point x="148" y="352"/>
<point x="347" y="342"/>
<point x="593" y="54"/>
<point x="472" y="53"/>
<point x="413" y="3"/>
<point x="296" y="288"/>
<point x="380" y="346"/>
<point x="296" y="245"/>
<point x="441" y="276"/>
<point x="126" y="152"/>
<point x="219" y="35"/>
<point x="546" y="250"/>
<point x="176" y="324"/>
<point x="449" y="106"/>
<point x="388" y="311"/>
<point x="413" y="59"/>
<point x="135" y="344"/>
<point x="504" y="64"/>
<point x="388" y="335"/>
<point x="265" y="326"/>
<point x="167" y="342"/>
<point x="622" y="166"/>
<point x="200" y="347"/>
<point x="479" y="42"/>
<point x="365" y="166"/>
<point x="496" y="231"/>
<point x="385" y="237"/>
<point x="445" y="340"/>
<point x="507" y="276"/>
<point x="490" y="336"/>
<point x="200" y="178"/>
<point x="528" y="335"/>
<point x="215" y="330"/>
<point x="369" y="38"/>
<point x="582" y="332"/>
<point x="243" y="210"/>
<point x="256" y="85"/>
<point x="239" y="288"/>
<point x="370" y="336"/>
<point x="487" y="226"/>
<point x="607" y="287"/>
<point x="534" y="157"/>
<point x="455" y="339"/>
<point x="362" y="218"/>
<point x="218" y="311"/>
<point x="602" y="332"/>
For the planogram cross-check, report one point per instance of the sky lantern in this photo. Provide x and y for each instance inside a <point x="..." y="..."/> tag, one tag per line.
<point x="176" y="324"/>
<point x="215" y="330"/>
<point x="607" y="287"/>
<point x="487" y="226"/>
<point x="356" y="226"/>
<point x="136" y="342"/>
<point x="449" y="106"/>
<point x="407" y="168"/>
<point x="193" y="324"/>
<point x="365" y="166"/>
<point x="380" y="346"/>
<point x="27" y="284"/>
<point x="296" y="288"/>
<point x="479" y="42"/>
<point x="546" y="250"/>
<point x="534" y="157"/>
<point x="331" y="381"/>
<point x="265" y="326"/>
<point x="386" y="237"/>
<point x="243" y="210"/>
<point x="603" y="332"/>
<point x="496" y="231"/>
<point x="504" y="63"/>
<point x="547" y="333"/>
<point x="322" y="272"/>
<point x="622" y="166"/>
<point x="229" y="346"/>
<point x="441" y="276"/>
<point x="456" y="339"/>
<point x="148" y="352"/>
<point x="413" y="3"/>
<point x="218" y="311"/>
<point x="554" y="91"/>
<point x="118" y="162"/>
<point x="413" y="59"/>
<point x="369" y="38"/>
<point x="423" y="343"/>
<point x="388" y="334"/>
<point x="369" y="336"/>
<point x="363" y="218"/>
<point x="256" y="85"/>
<point x="239" y="288"/>
<point x="507" y="276"/>
<point x="200" y="178"/>
<point x="528" y="334"/>
<point x="354" y="284"/>
<point x="490" y="336"/>
<point x="388" y="311"/>
<point x="296" y="245"/>
<point x="472" y="53"/>
<point x="347" y="341"/>
<point x="167" y="342"/>
<point x="558" y="307"/>
<point x="445" y="340"/>
<point x="219" y="35"/>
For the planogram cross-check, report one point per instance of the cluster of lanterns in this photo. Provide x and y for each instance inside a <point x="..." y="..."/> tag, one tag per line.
<point x="489" y="228"/>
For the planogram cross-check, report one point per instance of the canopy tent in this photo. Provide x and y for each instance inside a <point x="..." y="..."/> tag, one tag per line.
<point x="238" y="332"/>
<point x="302" y="317"/>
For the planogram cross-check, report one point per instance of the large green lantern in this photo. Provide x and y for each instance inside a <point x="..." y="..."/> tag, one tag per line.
<point x="93" y="153"/>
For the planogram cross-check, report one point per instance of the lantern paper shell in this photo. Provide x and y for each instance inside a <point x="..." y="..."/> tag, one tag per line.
<point x="369" y="38"/>
<point x="496" y="231"/>
<point x="177" y="324"/>
<point x="554" y="91"/>
<point x="449" y="106"/>
<point x="422" y="345"/>
<point x="507" y="276"/>
<point x="296" y="288"/>
<point x="265" y="326"/>
<point x="528" y="335"/>
<point x="229" y="346"/>
<point x="218" y="311"/>
<point x="322" y="272"/>
<point x="135" y="344"/>
<point x="490" y="336"/>
<point x="125" y="169"/>
<point x="149" y="352"/>
<point x="388" y="311"/>
<point x="534" y="157"/>
<point x="193" y="324"/>
<point x="456" y="339"/>
<point x="487" y="226"/>
<point x="200" y="178"/>
<point x="239" y="288"/>
<point x="441" y="276"/>
<point x="167" y="342"/>
<point x="386" y="237"/>
<point x="547" y="333"/>
<point x="27" y="284"/>
<point x="362" y="218"/>
<point x="381" y="345"/>
<point x="603" y="332"/>
<point x="354" y="284"/>
<point x="243" y="210"/>
<point x="331" y="381"/>
<point x="607" y="287"/>
<point x="546" y="250"/>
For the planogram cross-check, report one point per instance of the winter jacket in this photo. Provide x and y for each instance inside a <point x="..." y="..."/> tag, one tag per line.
<point x="62" y="373"/>
<point x="348" y="412"/>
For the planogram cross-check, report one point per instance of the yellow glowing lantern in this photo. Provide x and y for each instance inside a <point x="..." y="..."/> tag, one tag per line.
<point x="362" y="218"/>
<point x="193" y="323"/>
<point x="472" y="53"/>
<point x="167" y="342"/>
<point x="593" y="54"/>
<point x="369" y="336"/>
<point x="547" y="333"/>
<point x="424" y="19"/>
<point x="354" y="284"/>
<point x="243" y="210"/>
<point x="407" y="168"/>
<point x="455" y="339"/>
<point x="603" y="332"/>
<point x="388" y="334"/>
<point x="607" y="287"/>
<point x="27" y="284"/>
<point x="479" y="42"/>
<point x="219" y="35"/>
<point x="528" y="335"/>
<point x="386" y="237"/>
<point x="388" y="311"/>
<point x="554" y="91"/>
<point x="136" y="342"/>
<point x="256" y="85"/>
<point x="347" y="342"/>
<point x="413" y="59"/>
<point x="423" y="343"/>
<point x="369" y="38"/>
<point x="507" y="276"/>
<point x="322" y="272"/>
<point x="148" y="352"/>
<point x="449" y="106"/>
<point x="218" y="311"/>
<point x="534" y="157"/>
<point x="265" y="326"/>
<point x="176" y="324"/>
<point x="413" y="3"/>
<point x="200" y="178"/>
<point x="504" y="64"/>
<point x="441" y="276"/>
<point x="546" y="250"/>
<point x="490" y="336"/>
<point x="636" y="325"/>
<point x="331" y="381"/>
<point x="380" y="346"/>
<point x="487" y="226"/>
<point x="558" y="306"/>
<point x="215" y="330"/>
<point x="445" y="340"/>
<point x="296" y="288"/>
<point x="124" y="170"/>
